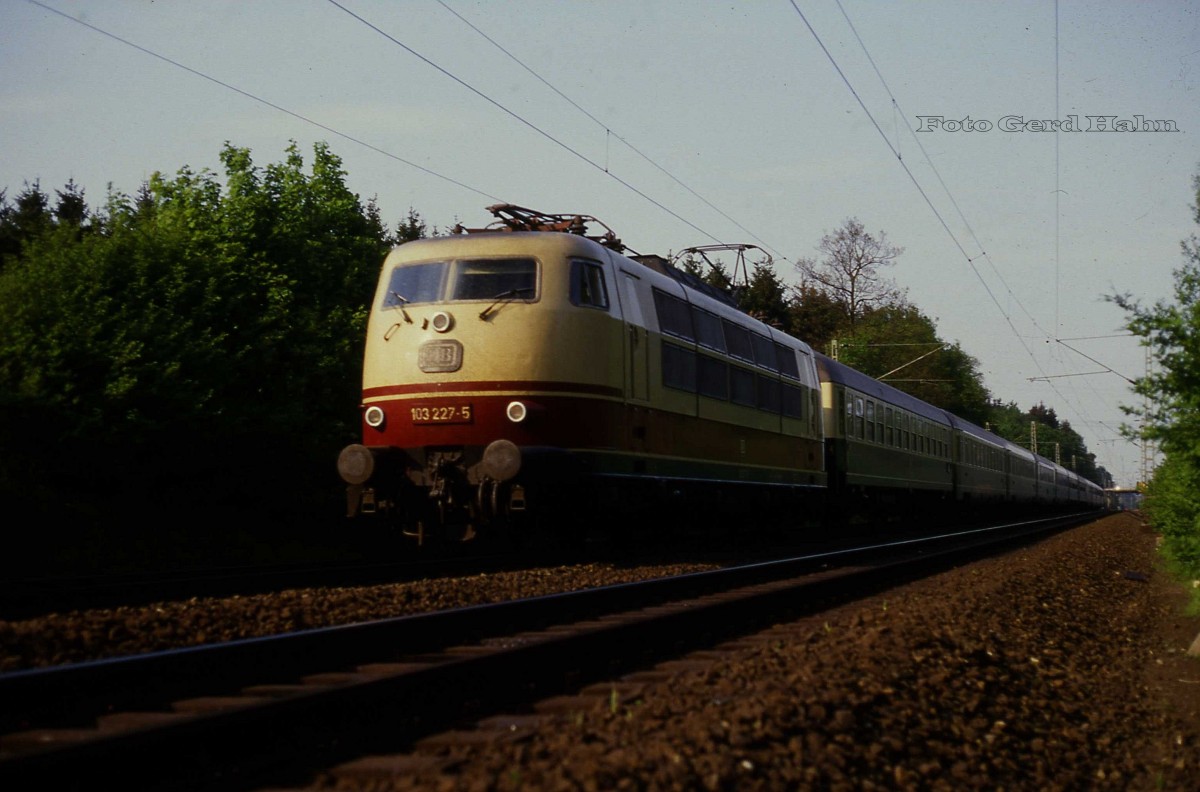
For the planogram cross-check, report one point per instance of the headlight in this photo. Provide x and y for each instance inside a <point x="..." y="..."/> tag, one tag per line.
<point x="374" y="416"/>
<point x="516" y="412"/>
<point x="442" y="322"/>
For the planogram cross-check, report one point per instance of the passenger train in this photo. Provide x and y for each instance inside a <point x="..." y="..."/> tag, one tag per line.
<point x="530" y="370"/>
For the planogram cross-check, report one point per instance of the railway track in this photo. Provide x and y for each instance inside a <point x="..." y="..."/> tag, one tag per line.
<point x="275" y="710"/>
<point x="23" y="598"/>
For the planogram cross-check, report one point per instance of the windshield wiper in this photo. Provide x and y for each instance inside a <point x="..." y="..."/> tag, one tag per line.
<point x="401" y="300"/>
<point x="503" y="297"/>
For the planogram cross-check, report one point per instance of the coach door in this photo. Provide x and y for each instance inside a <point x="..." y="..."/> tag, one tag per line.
<point x="637" y="341"/>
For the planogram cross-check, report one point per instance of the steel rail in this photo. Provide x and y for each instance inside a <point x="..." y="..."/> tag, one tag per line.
<point x="407" y="691"/>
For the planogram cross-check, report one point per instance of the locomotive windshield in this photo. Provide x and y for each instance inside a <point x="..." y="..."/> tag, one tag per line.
<point x="416" y="283"/>
<point x="467" y="279"/>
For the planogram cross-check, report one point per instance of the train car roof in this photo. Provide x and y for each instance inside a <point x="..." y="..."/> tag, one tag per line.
<point x="1018" y="450"/>
<point x="978" y="432"/>
<point x="504" y="242"/>
<point x="831" y="370"/>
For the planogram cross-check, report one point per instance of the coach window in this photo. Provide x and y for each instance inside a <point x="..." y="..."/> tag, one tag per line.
<point x="871" y="421"/>
<point x="673" y="315"/>
<point x="587" y="284"/>
<point x="888" y="428"/>
<point x="858" y="417"/>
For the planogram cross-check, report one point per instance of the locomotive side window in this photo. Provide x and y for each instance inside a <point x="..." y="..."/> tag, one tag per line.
<point x="764" y="352"/>
<point x="708" y="329"/>
<point x="742" y="387"/>
<point x="678" y="368"/>
<point x="416" y="283"/>
<point x="490" y="279"/>
<point x="793" y="401"/>
<point x="768" y="394"/>
<point x="673" y="315"/>
<point x="587" y="284"/>
<point x="737" y="341"/>
<point x="712" y="377"/>
<point x="787" y="362"/>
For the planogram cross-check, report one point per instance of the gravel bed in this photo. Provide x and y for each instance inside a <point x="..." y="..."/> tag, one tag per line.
<point x="88" y="635"/>
<point x="1059" y="666"/>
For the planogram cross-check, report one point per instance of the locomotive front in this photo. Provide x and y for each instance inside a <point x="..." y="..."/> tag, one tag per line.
<point x="486" y="363"/>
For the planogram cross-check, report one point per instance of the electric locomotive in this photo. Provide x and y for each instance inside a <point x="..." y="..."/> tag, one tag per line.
<point x="529" y="369"/>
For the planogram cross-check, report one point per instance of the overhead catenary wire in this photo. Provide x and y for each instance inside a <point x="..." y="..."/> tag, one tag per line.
<point x="522" y="120"/>
<point x="261" y="100"/>
<point x="609" y="132"/>
<point x="970" y="260"/>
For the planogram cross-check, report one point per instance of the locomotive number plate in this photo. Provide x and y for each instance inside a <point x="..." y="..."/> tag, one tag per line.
<point x="441" y="413"/>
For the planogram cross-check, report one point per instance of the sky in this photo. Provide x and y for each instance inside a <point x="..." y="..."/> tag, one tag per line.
<point x="682" y="123"/>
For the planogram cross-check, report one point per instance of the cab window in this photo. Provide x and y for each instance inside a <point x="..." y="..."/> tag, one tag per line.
<point x="588" y="287"/>
<point x="416" y="283"/>
<point x="490" y="279"/>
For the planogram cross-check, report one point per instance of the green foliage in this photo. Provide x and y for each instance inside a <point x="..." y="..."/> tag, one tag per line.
<point x="410" y="228"/>
<point x="1172" y="332"/>
<point x="766" y="297"/>
<point x="197" y="339"/>
<point x="1172" y="502"/>
<point x="711" y="272"/>
<point x="1172" y="393"/>
<point x="816" y="317"/>
<point x="900" y="345"/>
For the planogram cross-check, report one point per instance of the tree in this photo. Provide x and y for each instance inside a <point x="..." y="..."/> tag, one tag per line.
<point x="1044" y="415"/>
<point x="71" y="208"/>
<point x="1172" y="332"/>
<point x="711" y="272"/>
<point x="23" y="220"/>
<point x="849" y="269"/>
<point x="766" y="296"/>
<point x="1172" y="394"/>
<point x="205" y="337"/>
<point x="900" y="345"/>
<point x="409" y="228"/>
<point x="815" y="317"/>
